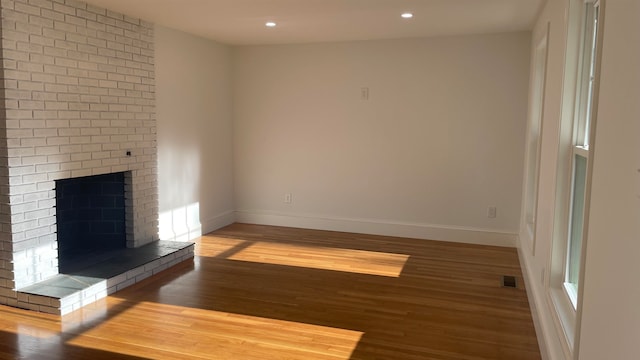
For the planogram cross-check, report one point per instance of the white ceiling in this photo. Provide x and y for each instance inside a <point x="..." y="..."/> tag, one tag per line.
<point x="241" y="22"/>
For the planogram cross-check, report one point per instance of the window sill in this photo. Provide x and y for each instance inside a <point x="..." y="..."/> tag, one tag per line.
<point x="565" y="315"/>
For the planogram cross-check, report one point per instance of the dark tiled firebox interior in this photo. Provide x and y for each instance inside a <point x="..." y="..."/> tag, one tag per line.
<point x="90" y="218"/>
<point x="93" y="258"/>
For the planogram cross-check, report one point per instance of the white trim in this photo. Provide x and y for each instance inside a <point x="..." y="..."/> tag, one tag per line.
<point x="600" y="5"/>
<point x="381" y="227"/>
<point x="582" y="151"/>
<point x="535" y="124"/>
<point x="563" y="315"/>
<point x="551" y="347"/>
<point x="218" y="221"/>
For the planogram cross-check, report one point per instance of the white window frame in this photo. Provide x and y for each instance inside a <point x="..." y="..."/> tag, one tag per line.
<point x="586" y="94"/>
<point x="576" y="139"/>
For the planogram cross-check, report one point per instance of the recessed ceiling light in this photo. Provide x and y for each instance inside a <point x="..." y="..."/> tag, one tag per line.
<point x="407" y="15"/>
<point x="270" y="24"/>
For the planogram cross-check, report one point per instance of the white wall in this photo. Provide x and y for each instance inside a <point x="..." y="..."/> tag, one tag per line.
<point x="194" y="134"/>
<point x="611" y="318"/>
<point x="610" y="321"/>
<point x="439" y="140"/>
<point x="535" y="263"/>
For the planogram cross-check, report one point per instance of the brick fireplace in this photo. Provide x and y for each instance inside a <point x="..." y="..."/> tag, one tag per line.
<point x="78" y="100"/>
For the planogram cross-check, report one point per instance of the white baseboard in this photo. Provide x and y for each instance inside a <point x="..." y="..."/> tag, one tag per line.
<point x="548" y="338"/>
<point x="531" y="291"/>
<point x="218" y="221"/>
<point x="381" y="227"/>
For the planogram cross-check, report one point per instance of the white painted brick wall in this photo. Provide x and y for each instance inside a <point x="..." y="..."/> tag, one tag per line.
<point x="78" y="88"/>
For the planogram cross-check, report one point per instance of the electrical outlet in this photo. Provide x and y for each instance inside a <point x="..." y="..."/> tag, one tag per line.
<point x="492" y="212"/>
<point x="287" y="198"/>
<point x="364" y="93"/>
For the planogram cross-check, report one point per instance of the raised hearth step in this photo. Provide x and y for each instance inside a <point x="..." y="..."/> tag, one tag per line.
<point x="95" y="280"/>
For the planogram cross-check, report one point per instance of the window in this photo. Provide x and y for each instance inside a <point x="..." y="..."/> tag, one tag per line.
<point x="580" y="149"/>
<point x="575" y="154"/>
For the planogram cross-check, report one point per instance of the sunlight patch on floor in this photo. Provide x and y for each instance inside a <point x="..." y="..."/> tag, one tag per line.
<point x="205" y="333"/>
<point x="325" y="258"/>
<point x="29" y="331"/>
<point x="90" y="314"/>
<point x="29" y="324"/>
<point x="216" y="246"/>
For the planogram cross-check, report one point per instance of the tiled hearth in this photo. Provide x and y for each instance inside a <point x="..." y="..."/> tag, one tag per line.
<point x="115" y="270"/>
<point x="78" y="99"/>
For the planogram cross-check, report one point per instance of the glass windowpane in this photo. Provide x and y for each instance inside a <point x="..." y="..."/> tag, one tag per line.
<point x="592" y="66"/>
<point x="577" y="219"/>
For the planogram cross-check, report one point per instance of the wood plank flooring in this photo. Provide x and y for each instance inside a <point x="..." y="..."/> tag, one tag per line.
<point x="260" y="292"/>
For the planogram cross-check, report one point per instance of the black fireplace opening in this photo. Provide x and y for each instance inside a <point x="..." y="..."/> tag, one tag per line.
<point x="90" y="218"/>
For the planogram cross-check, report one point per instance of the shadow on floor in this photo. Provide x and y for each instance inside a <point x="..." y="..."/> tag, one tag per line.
<point x="446" y="304"/>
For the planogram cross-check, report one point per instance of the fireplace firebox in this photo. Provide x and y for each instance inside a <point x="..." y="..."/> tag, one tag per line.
<point x="95" y="259"/>
<point x="90" y="217"/>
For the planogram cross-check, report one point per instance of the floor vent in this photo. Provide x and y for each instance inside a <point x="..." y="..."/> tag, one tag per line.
<point x="509" y="281"/>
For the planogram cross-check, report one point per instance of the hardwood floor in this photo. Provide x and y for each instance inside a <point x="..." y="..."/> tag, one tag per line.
<point x="258" y="292"/>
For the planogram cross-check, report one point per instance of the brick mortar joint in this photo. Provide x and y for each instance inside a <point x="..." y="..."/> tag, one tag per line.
<point x="50" y="158"/>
